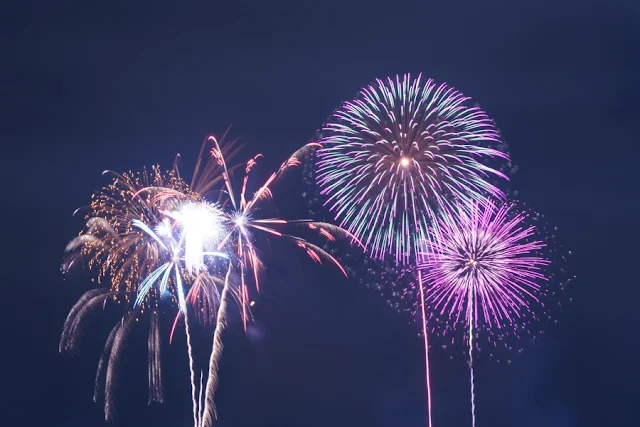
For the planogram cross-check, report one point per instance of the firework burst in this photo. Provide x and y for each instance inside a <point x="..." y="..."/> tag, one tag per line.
<point x="138" y="234"/>
<point x="399" y="151"/>
<point x="484" y="260"/>
<point x="123" y="255"/>
<point x="483" y="266"/>
<point x="113" y="241"/>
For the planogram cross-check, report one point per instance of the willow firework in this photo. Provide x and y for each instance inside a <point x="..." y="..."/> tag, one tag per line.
<point x="116" y="242"/>
<point x="398" y="152"/>
<point x="139" y="233"/>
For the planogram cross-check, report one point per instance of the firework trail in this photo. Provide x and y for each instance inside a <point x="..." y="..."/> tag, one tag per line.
<point x="425" y="336"/>
<point x="471" y="372"/>
<point x="155" y="379"/>
<point x="400" y="151"/>
<point x="484" y="268"/>
<point x="209" y="411"/>
<point x="98" y="388"/>
<point x="117" y="347"/>
<point x="192" y="374"/>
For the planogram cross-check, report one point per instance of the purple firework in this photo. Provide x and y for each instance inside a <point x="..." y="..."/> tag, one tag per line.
<point x="483" y="266"/>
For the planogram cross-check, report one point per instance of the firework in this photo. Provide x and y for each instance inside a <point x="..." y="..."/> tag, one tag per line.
<point x="399" y="151"/>
<point x="113" y="241"/>
<point x="483" y="268"/>
<point x="187" y="235"/>
<point x="137" y="236"/>
<point x="485" y="260"/>
<point x="246" y="217"/>
<point x="152" y="237"/>
<point x="123" y="255"/>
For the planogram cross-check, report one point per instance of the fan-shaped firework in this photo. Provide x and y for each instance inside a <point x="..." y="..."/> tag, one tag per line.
<point x="245" y="218"/>
<point x="483" y="266"/>
<point x="399" y="151"/>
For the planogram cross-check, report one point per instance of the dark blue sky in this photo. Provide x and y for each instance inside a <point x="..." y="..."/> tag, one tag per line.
<point x="120" y="85"/>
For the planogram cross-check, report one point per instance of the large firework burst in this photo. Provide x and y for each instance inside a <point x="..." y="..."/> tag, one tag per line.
<point x="399" y="151"/>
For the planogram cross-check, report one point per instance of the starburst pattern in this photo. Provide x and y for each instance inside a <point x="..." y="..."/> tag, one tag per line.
<point x="402" y="149"/>
<point x="485" y="257"/>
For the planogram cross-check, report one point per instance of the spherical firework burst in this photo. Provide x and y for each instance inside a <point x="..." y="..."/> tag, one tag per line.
<point x="483" y="266"/>
<point x="399" y="151"/>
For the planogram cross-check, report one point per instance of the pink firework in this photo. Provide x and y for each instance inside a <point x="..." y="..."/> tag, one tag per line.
<point x="485" y="261"/>
<point x="482" y="268"/>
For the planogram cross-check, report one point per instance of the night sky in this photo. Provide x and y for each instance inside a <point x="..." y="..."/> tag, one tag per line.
<point x="85" y="88"/>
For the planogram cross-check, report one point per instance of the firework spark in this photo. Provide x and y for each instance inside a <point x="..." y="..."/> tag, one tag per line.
<point x="399" y="151"/>
<point x="483" y="267"/>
